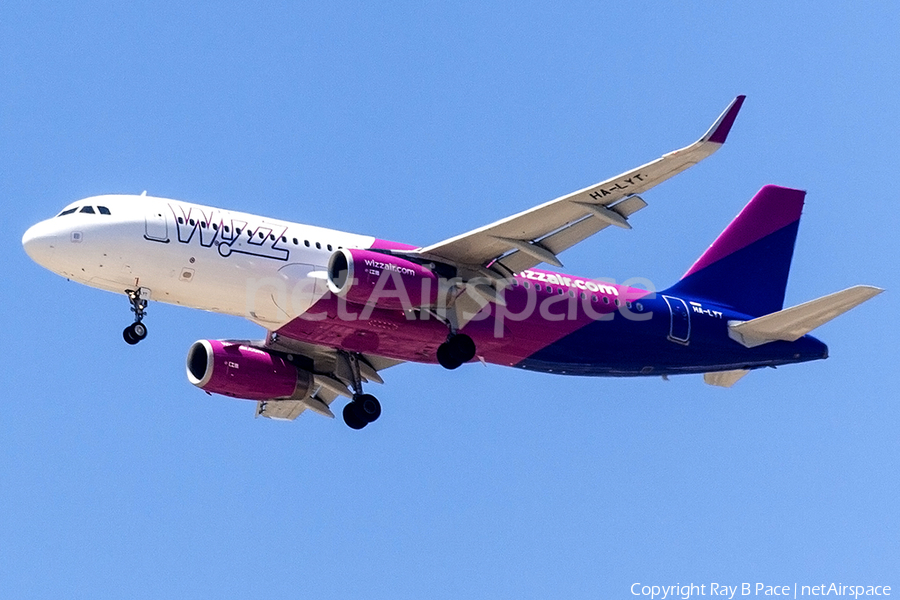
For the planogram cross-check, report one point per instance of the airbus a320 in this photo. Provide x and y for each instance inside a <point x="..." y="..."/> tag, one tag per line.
<point x="339" y="308"/>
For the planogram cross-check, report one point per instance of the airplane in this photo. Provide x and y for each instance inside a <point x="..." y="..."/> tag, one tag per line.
<point x="339" y="308"/>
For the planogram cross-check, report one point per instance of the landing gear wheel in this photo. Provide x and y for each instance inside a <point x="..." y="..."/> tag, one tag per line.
<point x="369" y="407"/>
<point x="462" y="347"/>
<point x="129" y="337"/>
<point x="352" y="416"/>
<point x="446" y="359"/>
<point x="134" y="333"/>
<point x="458" y="349"/>
<point x="139" y="330"/>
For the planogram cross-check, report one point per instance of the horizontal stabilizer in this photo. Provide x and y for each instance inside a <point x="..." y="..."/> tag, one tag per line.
<point x="724" y="378"/>
<point x="793" y="323"/>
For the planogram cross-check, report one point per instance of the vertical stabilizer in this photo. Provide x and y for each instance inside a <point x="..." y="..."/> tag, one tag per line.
<point x="747" y="266"/>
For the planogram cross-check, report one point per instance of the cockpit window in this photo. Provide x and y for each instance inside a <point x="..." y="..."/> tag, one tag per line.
<point x="87" y="209"/>
<point x="103" y="210"/>
<point x="67" y="212"/>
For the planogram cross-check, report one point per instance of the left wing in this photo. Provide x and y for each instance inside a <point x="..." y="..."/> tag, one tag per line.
<point x="537" y="235"/>
<point x="331" y="378"/>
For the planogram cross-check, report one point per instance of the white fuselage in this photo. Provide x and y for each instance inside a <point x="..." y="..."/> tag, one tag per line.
<point x="267" y="270"/>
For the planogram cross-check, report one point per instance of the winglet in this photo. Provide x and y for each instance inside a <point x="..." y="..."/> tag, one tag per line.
<point x="719" y="130"/>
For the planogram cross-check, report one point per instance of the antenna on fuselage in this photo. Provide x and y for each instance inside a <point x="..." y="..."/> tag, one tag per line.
<point x="144" y="193"/>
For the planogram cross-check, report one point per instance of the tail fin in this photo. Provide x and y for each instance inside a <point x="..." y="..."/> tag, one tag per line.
<point x="747" y="266"/>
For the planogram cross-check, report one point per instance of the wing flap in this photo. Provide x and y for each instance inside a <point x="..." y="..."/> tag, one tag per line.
<point x="280" y="410"/>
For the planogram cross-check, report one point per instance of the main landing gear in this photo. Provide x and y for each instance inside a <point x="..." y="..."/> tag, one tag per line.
<point x="363" y="408"/>
<point x="137" y="330"/>
<point x="458" y="349"/>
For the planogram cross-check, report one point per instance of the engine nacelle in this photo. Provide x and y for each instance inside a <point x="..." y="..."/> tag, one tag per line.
<point x="242" y="371"/>
<point x="371" y="278"/>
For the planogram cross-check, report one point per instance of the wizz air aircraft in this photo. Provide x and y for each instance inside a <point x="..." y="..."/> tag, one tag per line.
<point x="339" y="307"/>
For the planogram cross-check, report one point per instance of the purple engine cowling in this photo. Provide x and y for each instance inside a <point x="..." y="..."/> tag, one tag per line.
<point x="372" y="278"/>
<point x="241" y="371"/>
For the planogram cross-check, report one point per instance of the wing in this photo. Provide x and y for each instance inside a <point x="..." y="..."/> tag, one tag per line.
<point x="331" y="378"/>
<point x="539" y="234"/>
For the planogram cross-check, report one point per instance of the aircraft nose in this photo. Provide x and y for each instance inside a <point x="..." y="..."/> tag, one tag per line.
<point x="40" y="242"/>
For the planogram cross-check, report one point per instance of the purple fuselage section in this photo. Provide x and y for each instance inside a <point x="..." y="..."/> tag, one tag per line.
<point x="561" y="324"/>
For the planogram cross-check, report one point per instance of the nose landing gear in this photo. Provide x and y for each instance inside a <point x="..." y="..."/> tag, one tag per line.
<point x="137" y="330"/>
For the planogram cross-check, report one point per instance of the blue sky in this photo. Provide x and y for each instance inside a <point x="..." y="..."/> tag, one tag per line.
<point x="416" y="122"/>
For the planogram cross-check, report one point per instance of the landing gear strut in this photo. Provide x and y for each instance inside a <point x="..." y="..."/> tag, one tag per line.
<point x="137" y="330"/>
<point x="458" y="349"/>
<point x="364" y="408"/>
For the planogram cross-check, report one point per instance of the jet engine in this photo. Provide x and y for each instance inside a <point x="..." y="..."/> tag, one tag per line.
<point x="365" y="277"/>
<point x="242" y="371"/>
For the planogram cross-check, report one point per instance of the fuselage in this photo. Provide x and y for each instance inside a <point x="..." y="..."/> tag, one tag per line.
<point x="273" y="272"/>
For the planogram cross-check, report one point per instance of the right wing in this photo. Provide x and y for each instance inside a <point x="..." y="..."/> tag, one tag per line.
<point x="539" y="234"/>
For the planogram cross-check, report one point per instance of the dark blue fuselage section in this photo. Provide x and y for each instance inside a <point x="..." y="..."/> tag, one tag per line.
<point x="663" y="339"/>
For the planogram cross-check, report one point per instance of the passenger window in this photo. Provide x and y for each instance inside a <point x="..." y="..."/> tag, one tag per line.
<point x="572" y="294"/>
<point x="306" y="243"/>
<point x="226" y="228"/>
<point x="526" y="285"/>
<point x="180" y="220"/>
<point x="295" y="241"/>
<point x="537" y="286"/>
<point x="318" y="246"/>
<point x="215" y="226"/>
<point x="605" y="299"/>
<point x="284" y="239"/>
<point x="237" y="231"/>
<point x="261" y="236"/>
<point x="191" y="222"/>
<point x="87" y="209"/>
<point x="103" y="210"/>
<point x="329" y="247"/>
<point x="593" y="298"/>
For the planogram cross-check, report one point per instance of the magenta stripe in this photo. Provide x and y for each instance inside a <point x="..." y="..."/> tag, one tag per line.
<point x="388" y="245"/>
<point x="771" y="209"/>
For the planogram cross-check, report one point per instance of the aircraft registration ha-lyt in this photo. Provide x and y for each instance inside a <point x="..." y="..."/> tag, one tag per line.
<point x="339" y="308"/>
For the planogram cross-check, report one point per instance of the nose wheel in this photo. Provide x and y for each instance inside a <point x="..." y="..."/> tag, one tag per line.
<point x="135" y="333"/>
<point x="137" y="330"/>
